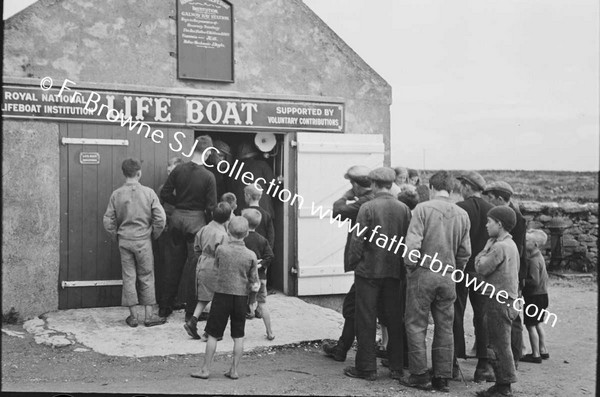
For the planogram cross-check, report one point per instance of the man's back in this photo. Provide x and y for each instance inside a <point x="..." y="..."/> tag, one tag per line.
<point x="195" y="187"/>
<point x="440" y="227"/>
<point x="372" y="253"/>
<point x="477" y="209"/>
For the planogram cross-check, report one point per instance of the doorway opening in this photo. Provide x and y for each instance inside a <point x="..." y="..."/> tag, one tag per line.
<point x="247" y="148"/>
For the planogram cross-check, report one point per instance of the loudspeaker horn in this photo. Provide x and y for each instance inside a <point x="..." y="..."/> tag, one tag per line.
<point x="265" y="141"/>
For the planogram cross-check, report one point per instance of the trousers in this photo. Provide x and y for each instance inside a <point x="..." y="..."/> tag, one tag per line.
<point x="180" y="266"/>
<point x="479" y="322"/>
<point x="430" y="292"/>
<point x="368" y="292"/>
<point x="348" y="309"/>
<point x="137" y="263"/>
<point x="500" y="318"/>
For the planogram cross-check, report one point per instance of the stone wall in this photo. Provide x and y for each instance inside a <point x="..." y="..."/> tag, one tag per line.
<point x="30" y="217"/>
<point x="580" y="238"/>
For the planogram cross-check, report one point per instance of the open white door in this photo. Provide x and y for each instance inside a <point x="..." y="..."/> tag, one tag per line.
<point x="323" y="159"/>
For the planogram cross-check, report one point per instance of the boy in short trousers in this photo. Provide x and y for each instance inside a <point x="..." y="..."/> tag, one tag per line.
<point x="535" y="294"/>
<point x="237" y="274"/>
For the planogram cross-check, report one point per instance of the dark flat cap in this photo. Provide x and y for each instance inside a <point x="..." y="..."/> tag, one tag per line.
<point x="383" y="174"/>
<point x="505" y="215"/>
<point x="499" y="186"/>
<point x="474" y="178"/>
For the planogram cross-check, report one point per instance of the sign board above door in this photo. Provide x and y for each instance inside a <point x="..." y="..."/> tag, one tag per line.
<point x="174" y="110"/>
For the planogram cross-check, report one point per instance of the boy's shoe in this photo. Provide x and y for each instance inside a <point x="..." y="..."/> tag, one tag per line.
<point x="484" y="375"/>
<point x="496" y="391"/>
<point x="131" y="321"/>
<point x="528" y="358"/>
<point x="355" y="373"/>
<point x="440" y="384"/>
<point x="335" y="351"/>
<point x="394" y="374"/>
<point x="422" y="381"/>
<point x="191" y="327"/>
<point x="152" y="321"/>
<point x="545" y="356"/>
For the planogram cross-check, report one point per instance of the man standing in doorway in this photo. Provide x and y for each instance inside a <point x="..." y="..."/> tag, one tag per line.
<point x="378" y="274"/>
<point x="347" y="208"/>
<point x="472" y="184"/>
<point x="439" y="232"/>
<point x="194" y="202"/>
<point x="500" y="193"/>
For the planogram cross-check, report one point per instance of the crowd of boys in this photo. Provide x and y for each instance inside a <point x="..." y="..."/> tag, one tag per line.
<point x="228" y="256"/>
<point x="219" y="258"/>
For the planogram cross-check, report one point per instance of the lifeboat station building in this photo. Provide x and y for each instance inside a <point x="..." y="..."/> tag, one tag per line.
<point x="87" y="84"/>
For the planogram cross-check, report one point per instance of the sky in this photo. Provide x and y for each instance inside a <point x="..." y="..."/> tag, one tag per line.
<point x="479" y="84"/>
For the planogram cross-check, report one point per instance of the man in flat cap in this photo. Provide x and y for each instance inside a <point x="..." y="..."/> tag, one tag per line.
<point x="439" y="234"/>
<point x="378" y="273"/>
<point x="499" y="194"/>
<point x="347" y="207"/>
<point x="472" y="185"/>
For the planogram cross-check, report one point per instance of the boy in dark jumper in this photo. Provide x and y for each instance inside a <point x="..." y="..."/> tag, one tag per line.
<point x="260" y="246"/>
<point x="252" y="197"/>
<point x="237" y="274"/>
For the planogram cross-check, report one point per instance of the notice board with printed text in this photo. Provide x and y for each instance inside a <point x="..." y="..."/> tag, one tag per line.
<point x="205" y="40"/>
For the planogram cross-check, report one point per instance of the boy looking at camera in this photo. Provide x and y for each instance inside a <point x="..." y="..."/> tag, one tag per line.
<point x="498" y="263"/>
<point x="535" y="294"/>
<point x="237" y="274"/>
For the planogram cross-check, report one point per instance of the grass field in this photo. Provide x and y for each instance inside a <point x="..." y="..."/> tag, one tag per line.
<point x="552" y="186"/>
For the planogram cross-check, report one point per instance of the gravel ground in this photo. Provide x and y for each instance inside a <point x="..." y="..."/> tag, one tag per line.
<point x="299" y="369"/>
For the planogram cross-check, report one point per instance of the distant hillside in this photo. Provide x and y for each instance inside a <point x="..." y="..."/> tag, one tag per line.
<point x="580" y="187"/>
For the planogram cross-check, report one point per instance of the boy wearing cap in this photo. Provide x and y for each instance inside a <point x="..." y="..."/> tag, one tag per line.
<point x="472" y="184"/>
<point x="535" y="294"/>
<point x="498" y="263"/>
<point x="378" y="274"/>
<point x="499" y="194"/>
<point x="347" y="208"/>
<point x="439" y="233"/>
